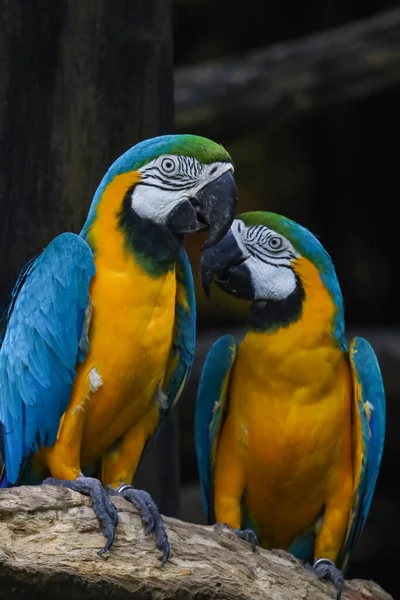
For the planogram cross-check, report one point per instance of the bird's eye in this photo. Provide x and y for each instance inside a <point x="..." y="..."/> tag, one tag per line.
<point x="275" y="243"/>
<point x="168" y="165"/>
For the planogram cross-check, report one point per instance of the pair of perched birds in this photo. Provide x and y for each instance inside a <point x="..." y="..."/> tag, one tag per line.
<point x="99" y="342"/>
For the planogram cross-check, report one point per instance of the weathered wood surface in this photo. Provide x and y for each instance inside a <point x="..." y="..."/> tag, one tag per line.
<point x="49" y="538"/>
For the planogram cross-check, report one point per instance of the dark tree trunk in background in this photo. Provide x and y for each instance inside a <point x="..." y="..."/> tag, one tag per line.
<point x="81" y="82"/>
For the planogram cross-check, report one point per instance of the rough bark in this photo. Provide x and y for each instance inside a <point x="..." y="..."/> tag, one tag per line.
<point x="290" y="78"/>
<point x="49" y="538"/>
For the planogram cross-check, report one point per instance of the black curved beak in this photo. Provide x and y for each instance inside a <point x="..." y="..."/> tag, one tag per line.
<point x="213" y="208"/>
<point x="225" y="263"/>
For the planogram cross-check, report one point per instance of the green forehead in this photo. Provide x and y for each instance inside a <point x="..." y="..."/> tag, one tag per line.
<point x="301" y="238"/>
<point x="204" y="150"/>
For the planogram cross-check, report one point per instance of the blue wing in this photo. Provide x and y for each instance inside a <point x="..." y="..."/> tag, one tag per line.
<point x="184" y="340"/>
<point x="369" y="421"/>
<point x="42" y="343"/>
<point x="211" y="406"/>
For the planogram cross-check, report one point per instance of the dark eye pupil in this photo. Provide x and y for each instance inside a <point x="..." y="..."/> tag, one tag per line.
<point x="275" y="242"/>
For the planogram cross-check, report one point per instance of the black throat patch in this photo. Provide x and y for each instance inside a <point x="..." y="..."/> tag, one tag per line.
<point x="154" y="247"/>
<point x="271" y="315"/>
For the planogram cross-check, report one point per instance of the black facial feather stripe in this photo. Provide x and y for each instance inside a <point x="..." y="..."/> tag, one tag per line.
<point x="167" y="188"/>
<point x="258" y="233"/>
<point x="178" y="183"/>
<point x="189" y="165"/>
<point x="165" y="178"/>
<point x="156" y="172"/>
<point x="271" y="258"/>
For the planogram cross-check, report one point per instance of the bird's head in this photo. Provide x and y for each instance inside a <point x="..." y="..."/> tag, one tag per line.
<point x="273" y="262"/>
<point x="180" y="183"/>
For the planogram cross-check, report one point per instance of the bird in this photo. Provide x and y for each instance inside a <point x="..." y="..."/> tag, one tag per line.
<point x="99" y="334"/>
<point x="290" y="418"/>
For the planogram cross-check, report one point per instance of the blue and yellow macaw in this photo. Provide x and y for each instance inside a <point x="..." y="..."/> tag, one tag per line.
<point x="289" y="423"/>
<point x="100" y="332"/>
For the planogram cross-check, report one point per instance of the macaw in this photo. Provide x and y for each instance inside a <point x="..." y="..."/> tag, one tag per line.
<point x="100" y="331"/>
<point x="290" y="421"/>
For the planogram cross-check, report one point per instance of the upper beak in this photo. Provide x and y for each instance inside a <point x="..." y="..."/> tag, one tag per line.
<point x="213" y="208"/>
<point x="225" y="262"/>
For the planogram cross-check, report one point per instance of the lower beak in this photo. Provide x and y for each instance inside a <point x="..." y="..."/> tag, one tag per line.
<point x="213" y="208"/>
<point x="224" y="263"/>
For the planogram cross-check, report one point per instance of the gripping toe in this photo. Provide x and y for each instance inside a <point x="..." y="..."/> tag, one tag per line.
<point x="248" y="535"/>
<point x="150" y="516"/>
<point x="104" y="509"/>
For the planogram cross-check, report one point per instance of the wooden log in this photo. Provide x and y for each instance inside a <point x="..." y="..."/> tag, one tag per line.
<point x="49" y="538"/>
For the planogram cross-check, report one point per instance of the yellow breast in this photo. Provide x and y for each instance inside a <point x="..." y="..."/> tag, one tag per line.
<point x="130" y="333"/>
<point x="289" y="404"/>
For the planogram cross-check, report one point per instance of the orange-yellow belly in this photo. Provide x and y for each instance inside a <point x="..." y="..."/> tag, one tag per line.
<point x="288" y="436"/>
<point x="130" y="342"/>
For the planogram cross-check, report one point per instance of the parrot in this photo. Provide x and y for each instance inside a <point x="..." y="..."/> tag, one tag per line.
<point x="289" y="418"/>
<point x="101" y="326"/>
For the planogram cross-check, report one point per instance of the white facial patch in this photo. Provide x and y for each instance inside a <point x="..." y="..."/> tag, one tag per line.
<point x="269" y="257"/>
<point x="170" y="180"/>
<point x="270" y="282"/>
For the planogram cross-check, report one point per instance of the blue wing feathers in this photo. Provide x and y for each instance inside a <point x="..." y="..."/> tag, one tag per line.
<point x="185" y="333"/>
<point x="39" y="352"/>
<point x="209" y="412"/>
<point x="371" y="406"/>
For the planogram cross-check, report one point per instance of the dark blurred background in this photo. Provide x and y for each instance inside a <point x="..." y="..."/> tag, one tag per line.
<point x="306" y="98"/>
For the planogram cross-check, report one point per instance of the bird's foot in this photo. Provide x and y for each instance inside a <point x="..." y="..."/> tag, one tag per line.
<point x="324" y="568"/>
<point x="149" y="514"/>
<point x="103" y="507"/>
<point x="249" y="536"/>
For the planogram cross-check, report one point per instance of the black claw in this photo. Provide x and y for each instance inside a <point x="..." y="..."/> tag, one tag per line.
<point x="104" y="509"/>
<point x="151" y="524"/>
<point x="324" y="568"/>
<point x="150" y="516"/>
<point x="249" y="536"/>
<point x="166" y="550"/>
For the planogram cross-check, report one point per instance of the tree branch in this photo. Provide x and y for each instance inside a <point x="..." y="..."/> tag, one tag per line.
<point x="49" y="538"/>
<point x="303" y="75"/>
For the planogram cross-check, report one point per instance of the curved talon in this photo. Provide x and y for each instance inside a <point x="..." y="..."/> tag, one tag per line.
<point x="324" y="568"/>
<point x="249" y="536"/>
<point x="151" y="524"/>
<point x="166" y="550"/>
<point x="150" y="516"/>
<point x="104" y="509"/>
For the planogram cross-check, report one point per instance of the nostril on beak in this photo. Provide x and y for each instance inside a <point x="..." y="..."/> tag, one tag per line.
<point x="223" y="275"/>
<point x="198" y="210"/>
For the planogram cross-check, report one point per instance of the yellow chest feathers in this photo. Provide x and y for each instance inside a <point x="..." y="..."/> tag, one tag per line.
<point x="133" y="313"/>
<point x="292" y="383"/>
<point x="131" y="328"/>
